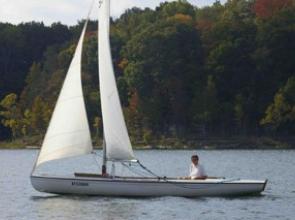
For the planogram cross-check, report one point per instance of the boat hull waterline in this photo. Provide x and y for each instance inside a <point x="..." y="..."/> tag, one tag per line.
<point x="146" y="187"/>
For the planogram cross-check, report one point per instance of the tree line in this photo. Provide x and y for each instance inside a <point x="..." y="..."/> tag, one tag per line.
<point x="182" y="71"/>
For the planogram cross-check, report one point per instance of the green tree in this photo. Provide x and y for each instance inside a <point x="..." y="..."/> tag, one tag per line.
<point x="134" y="118"/>
<point x="205" y="108"/>
<point x="163" y="61"/>
<point x="227" y="68"/>
<point x="280" y="115"/>
<point x="39" y="115"/>
<point x="11" y="114"/>
<point x="274" y="47"/>
<point x="230" y="61"/>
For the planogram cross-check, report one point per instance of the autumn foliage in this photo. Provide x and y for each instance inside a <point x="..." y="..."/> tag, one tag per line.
<point x="182" y="72"/>
<point x="267" y="8"/>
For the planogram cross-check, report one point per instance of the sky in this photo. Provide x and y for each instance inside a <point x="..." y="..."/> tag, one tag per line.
<point x="68" y="11"/>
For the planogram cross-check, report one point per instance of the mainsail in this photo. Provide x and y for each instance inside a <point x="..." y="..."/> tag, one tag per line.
<point x="68" y="133"/>
<point x="118" y="145"/>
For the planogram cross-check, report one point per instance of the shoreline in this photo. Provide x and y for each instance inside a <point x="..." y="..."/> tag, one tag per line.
<point x="168" y="149"/>
<point x="234" y="143"/>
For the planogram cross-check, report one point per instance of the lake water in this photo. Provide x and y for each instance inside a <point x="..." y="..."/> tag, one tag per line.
<point x="19" y="201"/>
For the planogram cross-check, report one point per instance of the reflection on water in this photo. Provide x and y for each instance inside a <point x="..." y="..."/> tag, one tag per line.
<point x="36" y="198"/>
<point x="18" y="200"/>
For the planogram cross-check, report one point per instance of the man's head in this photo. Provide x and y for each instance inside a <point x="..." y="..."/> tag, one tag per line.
<point x="195" y="159"/>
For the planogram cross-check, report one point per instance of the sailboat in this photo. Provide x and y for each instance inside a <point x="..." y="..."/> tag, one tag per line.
<point x="68" y="136"/>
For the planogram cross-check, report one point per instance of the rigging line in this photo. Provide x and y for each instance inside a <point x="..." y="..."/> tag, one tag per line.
<point x="133" y="171"/>
<point x="141" y="170"/>
<point x="90" y="10"/>
<point x="122" y="163"/>
<point x="170" y="182"/>
<point x="95" y="153"/>
<point x="165" y="179"/>
<point x="181" y="186"/>
<point x="149" y="171"/>
<point x="88" y="15"/>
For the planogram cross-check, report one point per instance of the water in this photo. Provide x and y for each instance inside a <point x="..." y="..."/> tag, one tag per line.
<point x="19" y="201"/>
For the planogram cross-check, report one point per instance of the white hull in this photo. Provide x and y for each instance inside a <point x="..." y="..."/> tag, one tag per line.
<point x="131" y="187"/>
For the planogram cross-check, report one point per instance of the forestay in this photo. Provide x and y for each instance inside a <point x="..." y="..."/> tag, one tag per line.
<point x="68" y="133"/>
<point x="118" y="145"/>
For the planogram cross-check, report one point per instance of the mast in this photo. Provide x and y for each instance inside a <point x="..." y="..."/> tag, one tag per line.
<point x="104" y="147"/>
<point x="104" y="158"/>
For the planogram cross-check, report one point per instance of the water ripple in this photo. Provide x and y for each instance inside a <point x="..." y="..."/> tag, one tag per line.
<point x="18" y="200"/>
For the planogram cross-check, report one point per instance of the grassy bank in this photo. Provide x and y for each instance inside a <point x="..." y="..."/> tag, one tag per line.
<point x="229" y="143"/>
<point x="21" y="143"/>
<point x="176" y="143"/>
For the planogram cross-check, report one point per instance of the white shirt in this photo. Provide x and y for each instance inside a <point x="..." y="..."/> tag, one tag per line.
<point x="197" y="171"/>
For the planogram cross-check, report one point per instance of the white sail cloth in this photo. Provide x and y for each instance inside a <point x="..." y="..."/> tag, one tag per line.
<point x="118" y="145"/>
<point x="68" y="133"/>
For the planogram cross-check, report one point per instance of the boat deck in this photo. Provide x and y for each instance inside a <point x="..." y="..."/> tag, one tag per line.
<point x="93" y="175"/>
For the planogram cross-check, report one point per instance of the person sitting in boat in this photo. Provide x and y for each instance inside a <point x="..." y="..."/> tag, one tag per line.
<point x="197" y="171"/>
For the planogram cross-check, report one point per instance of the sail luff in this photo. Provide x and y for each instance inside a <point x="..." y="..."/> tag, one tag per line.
<point x="118" y="145"/>
<point x="68" y="134"/>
